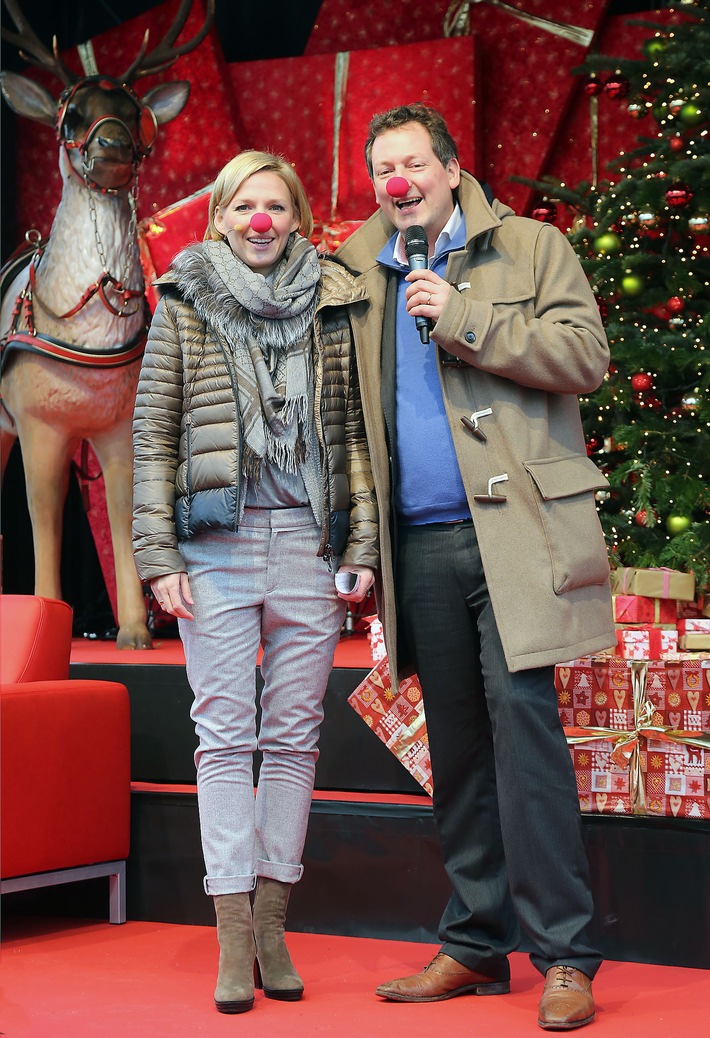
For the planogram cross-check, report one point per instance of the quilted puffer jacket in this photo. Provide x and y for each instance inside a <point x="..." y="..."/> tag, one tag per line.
<point x="186" y="426"/>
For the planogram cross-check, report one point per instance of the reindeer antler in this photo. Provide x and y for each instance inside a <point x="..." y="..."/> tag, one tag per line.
<point x="32" y="49"/>
<point x="166" y="53"/>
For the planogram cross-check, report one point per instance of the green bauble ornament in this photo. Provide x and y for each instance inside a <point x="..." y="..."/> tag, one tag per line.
<point x="632" y="285"/>
<point x="607" y="244"/>
<point x="691" y="115"/>
<point x="676" y="524"/>
<point x="656" y="46"/>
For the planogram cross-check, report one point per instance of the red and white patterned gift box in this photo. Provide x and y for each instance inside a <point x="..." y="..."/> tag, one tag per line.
<point x="679" y="693"/>
<point x="602" y="783"/>
<point x="699" y="624"/>
<point x="595" y="691"/>
<point x="646" y="748"/>
<point x="676" y="779"/>
<point x="397" y="718"/>
<point x="646" y="642"/>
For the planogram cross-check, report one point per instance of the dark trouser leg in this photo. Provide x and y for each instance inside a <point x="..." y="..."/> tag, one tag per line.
<point x="505" y="800"/>
<point x="478" y="927"/>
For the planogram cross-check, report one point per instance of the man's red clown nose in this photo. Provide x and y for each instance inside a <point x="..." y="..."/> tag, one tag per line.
<point x="397" y="186"/>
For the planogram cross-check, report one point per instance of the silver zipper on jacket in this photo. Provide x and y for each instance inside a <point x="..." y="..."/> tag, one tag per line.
<point x="226" y="353"/>
<point x="188" y="455"/>
<point x="325" y="548"/>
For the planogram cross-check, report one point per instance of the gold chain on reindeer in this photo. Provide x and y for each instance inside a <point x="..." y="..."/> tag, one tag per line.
<point x="130" y="245"/>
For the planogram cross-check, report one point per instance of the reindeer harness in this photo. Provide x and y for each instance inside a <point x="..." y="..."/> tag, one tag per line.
<point x="36" y="342"/>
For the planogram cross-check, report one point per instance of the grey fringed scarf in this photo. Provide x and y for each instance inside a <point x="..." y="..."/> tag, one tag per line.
<point x="271" y="351"/>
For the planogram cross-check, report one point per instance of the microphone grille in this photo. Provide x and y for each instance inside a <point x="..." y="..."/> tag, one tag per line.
<point x="415" y="241"/>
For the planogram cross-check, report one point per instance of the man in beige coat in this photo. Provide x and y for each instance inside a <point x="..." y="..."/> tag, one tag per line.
<point x="493" y="564"/>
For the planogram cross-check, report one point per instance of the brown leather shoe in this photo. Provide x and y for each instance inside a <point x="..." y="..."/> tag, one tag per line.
<point x="444" y="977"/>
<point x="567" y="1001"/>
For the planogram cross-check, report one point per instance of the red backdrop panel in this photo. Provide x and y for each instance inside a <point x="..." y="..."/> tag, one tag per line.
<point x="525" y="85"/>
<point x="287" y="105"/>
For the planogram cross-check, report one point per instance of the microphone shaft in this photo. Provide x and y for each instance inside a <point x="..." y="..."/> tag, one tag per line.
<point x="420" y="262"/>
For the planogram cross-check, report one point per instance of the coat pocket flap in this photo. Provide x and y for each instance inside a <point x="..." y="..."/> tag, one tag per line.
<point x="565" y="477"/>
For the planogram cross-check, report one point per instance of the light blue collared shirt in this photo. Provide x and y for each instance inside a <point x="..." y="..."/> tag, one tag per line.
<point x="429" y="488"/>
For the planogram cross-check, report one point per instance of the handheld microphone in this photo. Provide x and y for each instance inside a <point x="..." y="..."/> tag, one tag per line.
<point x="416" y="247"/>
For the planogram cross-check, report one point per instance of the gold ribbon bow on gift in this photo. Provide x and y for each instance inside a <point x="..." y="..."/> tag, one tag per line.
<point x="457" y="21"/>
<point x="626" y="750"/>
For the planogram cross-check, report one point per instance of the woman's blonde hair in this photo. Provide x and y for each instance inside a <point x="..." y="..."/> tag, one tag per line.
<point x="245" y="165"/>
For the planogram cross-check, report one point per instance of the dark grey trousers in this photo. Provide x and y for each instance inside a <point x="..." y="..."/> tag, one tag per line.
<point x="505" y="798"/>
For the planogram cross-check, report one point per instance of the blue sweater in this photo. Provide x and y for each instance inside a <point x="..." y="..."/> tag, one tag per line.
<point x="429" y="488"/>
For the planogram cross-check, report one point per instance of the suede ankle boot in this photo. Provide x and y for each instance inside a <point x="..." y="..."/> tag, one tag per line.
<point x="235" y="982"/>
<point x="275" y="970"/>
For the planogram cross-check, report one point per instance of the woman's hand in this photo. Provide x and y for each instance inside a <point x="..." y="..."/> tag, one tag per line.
<point x="361" y="590"/>
<point x="426" y="294"/>
<point x="172" y="593"/>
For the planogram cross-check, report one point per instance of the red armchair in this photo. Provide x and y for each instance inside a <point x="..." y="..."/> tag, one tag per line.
<point x="65" y="759"/>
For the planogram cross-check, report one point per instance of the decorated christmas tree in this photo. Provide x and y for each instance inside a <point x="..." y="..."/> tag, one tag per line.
<point x="643" y="239"/>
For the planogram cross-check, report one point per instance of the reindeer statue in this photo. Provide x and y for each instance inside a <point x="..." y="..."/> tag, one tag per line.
<point x="74" y="315"/>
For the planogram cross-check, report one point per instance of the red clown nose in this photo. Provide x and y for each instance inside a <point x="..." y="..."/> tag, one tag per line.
<point x="397" y="186"/>
<point x="261" y="222"/>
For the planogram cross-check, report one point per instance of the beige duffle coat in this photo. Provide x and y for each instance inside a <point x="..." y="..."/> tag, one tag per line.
<point x="525" y="322"/>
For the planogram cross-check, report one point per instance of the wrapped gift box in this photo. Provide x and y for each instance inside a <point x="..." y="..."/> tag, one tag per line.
<point x="163" y="235"/>
<point x="596" y="691"/>
<point x="694" y="642"/>
<point x="526" y="70"/>
<point x="637" y="609"/>
<point x="700" y="624"/>
<point x="602" y="784"/>
<point x="646" y="642"/>
<point x="676" y="779"/>
<point x="315" y="110"/>
<point x="648" y="751"/>
<point x="397" y="718"/>
<point x="678" y="691"/>
<point x="653" y="583"/>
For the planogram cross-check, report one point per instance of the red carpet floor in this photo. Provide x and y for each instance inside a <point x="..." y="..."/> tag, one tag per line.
<point x="68" y="979"/>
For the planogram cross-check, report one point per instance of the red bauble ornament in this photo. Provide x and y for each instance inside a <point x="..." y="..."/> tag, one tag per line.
<point x="261" y="223"/>
<point x="616" y="86"/>
<point x="592" y="86"/>
<point x="637" y="110"/>
<point x="603" y="307"/>
<point x="546" y="212"/>
<point x="676" y="143"/>
<point x="676" y="305"/>
<point x="594" y="443"/>
<point x="397" y="187"/>
<point x="678" y="195"/>
<point x="661" y="311"/>
<point x="640" y="517"/>
<point x="699" y="224"/>
<point x="642" y="382"/>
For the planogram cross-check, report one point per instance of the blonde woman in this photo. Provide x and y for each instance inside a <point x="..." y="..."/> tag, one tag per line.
<point x="252" y="495"/>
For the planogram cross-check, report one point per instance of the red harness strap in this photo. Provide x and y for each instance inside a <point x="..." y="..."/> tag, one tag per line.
<point x="113" y="357"/>
<point x="99" y="286"/>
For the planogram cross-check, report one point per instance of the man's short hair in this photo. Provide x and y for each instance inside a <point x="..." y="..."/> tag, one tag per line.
<point x="443" y="144"/>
